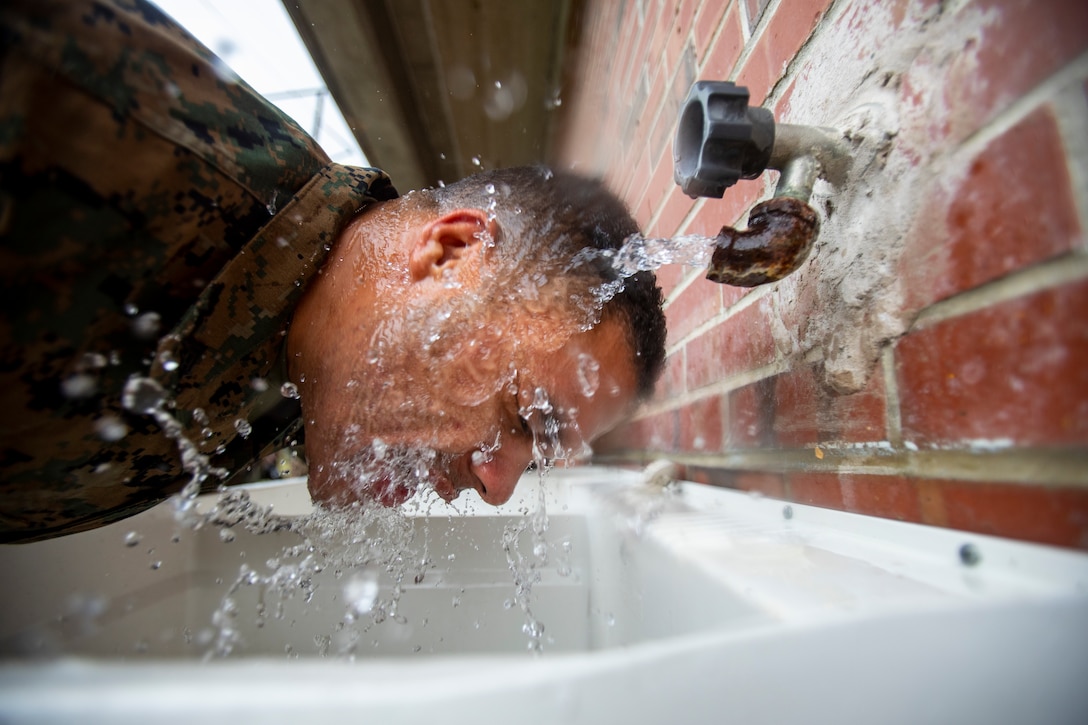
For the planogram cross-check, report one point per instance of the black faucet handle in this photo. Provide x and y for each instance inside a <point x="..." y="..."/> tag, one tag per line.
<point x="720" y="139"/>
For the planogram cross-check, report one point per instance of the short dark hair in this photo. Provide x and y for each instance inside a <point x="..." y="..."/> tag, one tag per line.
<point x="556" y="220"/>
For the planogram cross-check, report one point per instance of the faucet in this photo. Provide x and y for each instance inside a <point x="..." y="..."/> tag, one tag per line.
<point x="720" y="139"/>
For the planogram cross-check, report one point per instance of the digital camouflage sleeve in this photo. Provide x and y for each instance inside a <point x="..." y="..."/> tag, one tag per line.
<point x="157" y="218"/>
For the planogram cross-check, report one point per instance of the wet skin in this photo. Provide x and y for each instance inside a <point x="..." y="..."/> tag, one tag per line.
<point x="407" y="367"/>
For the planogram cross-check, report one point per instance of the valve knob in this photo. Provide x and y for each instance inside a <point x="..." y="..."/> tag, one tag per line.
<point x="720" y="139"/>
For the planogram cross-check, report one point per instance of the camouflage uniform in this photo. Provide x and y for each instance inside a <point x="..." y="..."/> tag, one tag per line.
<point x="143" y="191"/>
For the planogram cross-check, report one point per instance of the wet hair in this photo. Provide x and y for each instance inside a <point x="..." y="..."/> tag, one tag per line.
<point x="555" y="220"/>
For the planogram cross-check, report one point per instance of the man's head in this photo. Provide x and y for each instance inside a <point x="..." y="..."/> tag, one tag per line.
<point x="458" y="333"/>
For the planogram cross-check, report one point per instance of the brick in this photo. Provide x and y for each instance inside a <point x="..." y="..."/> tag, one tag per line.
<point x="673" y="211"/>
<point x="707" y="19"/>
<point x="741" y="342"/>
<point x="664" y="128"/>
<point x="1014" y="373"/>
<point x="636" y="111"/>
<point x="727" y="211"/>
<point x="662" y="26"/>
<point x="654" y="100"/>
<point x="701" y="425"/>
<point x="642" y="54"/>
<point x="699" y="302"/>
<point x="668" y="276"/>
<point x="931" y="503"/>
<point x="983" y="78"/>
<point x="755" y="10"/>
<point x="772" y="485"/>
<point x="890" y="497"/>
<point x="750" y="423"/>
<point x="799" y="299"/>
<point x="806" y="413"/>
<point x="633" y="184"/>
<point x="1057" y="516"/>
<point x="626" y="49"/>
<point x="782" y="37"/>
<point x="680" y="33"/>
<point x="671" y="382"/>
<point x="653" y="433"/>
<point x="726" y="49"/>
<point x="659" y="185"/>
<point x="816" y="489"/>
<point x="994" y="225"/>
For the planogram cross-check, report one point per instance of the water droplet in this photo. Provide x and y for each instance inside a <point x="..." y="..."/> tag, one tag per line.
<point x="156" y="565"/>
<point x="79" y="386"/>
<point x="289" y="390"/>
<point x="258" y="384"/>
<point x="243" y="427"/>
<point x="476" y="161"/>
<point x="133" y="538"/>
<point x="361" y="591"/>
<point x="146" y="326"/>
<point x="541" y="402"/>
<point x="226" y="535"/>
<point x="110" y="428"/>
<point x="92" y="361"/>
<point x="142" y="395"/>
<point x="588" y="374"/>
<point x="169" y="364"/>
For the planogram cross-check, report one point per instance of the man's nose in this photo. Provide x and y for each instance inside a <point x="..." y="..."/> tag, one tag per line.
<point x="498" y="474"/>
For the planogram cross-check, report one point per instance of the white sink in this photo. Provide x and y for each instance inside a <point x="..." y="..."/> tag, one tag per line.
<point x="694" y="604"/>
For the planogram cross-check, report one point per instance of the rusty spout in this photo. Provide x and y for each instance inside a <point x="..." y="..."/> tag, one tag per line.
<point x="778" y="239"/>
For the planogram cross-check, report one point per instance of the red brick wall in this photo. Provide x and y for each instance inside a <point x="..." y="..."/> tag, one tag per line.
<point x="930" y="361"/>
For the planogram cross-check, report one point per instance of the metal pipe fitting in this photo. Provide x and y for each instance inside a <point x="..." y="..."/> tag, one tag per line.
<point x="720" y="140"/>
<point x="778" y="239"/>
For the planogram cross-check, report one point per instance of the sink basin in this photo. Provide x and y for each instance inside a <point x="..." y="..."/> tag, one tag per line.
<point x="637" y="604"/>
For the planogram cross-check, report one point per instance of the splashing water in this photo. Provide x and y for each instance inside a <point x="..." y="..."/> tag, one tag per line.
<point x="526" y="567"/>
<point x="642" y="254"/>
<point x="355" y="544"/>
<point x="639" y="253"/>
<point x="366" y="545"/>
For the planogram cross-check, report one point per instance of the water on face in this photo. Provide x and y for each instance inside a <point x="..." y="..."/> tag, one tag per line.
<point x="365" y="544"/>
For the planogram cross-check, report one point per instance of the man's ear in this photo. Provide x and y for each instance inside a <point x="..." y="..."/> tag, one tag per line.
<point x="444" y="242"/>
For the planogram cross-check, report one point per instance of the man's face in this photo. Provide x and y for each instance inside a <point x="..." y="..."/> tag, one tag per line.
<point x="447" y="384"/>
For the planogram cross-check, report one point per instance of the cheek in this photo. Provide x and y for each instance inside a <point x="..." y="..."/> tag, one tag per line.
<point x="474" y="374"/>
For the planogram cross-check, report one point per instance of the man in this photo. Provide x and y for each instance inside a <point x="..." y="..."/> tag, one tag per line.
<point x="180" y="259"/>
